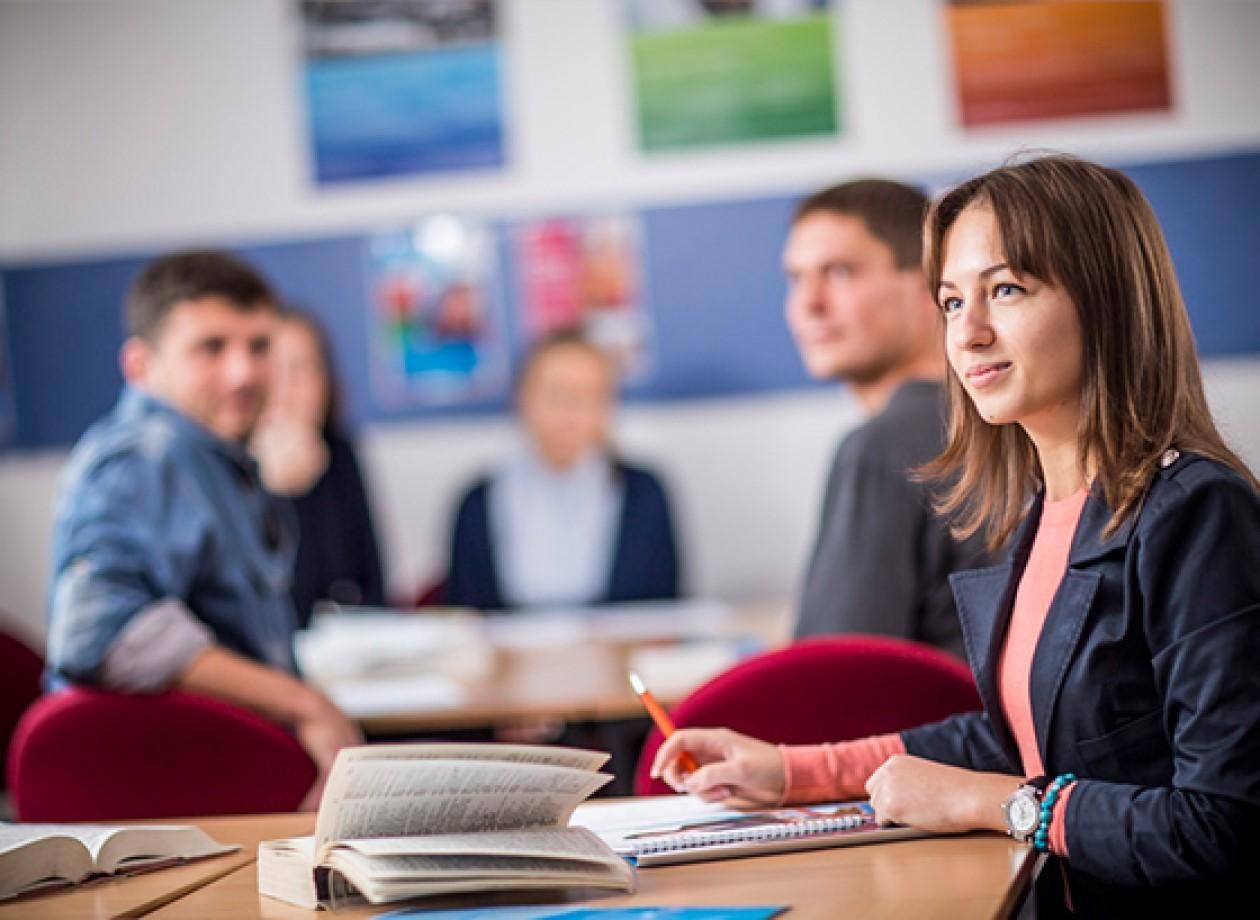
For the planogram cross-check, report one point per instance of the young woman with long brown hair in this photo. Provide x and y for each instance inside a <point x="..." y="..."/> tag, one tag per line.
<point x="1116" y="650"/>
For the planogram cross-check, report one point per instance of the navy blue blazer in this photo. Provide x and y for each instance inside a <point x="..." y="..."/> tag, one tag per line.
<point x="1146" y="685"/>
<point x="645" y="560"/>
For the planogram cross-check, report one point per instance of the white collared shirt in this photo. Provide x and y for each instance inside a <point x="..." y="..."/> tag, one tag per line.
<point x="554" y="532"/>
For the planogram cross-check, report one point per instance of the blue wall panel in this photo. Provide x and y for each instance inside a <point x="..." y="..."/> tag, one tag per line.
<point x="1210" y="212"/>
<point x="65" y="325"/>
<point x="715" y="292"/>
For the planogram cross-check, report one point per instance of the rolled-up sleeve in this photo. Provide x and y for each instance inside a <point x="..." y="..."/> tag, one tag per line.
<point x="154" y="648"/>
<point x="127" y="539"/>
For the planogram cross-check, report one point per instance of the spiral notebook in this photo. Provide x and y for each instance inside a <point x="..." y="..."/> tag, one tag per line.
<point x="676" y="829"/>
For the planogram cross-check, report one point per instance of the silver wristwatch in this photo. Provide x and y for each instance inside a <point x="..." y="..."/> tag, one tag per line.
<point x="1022" y="809"/>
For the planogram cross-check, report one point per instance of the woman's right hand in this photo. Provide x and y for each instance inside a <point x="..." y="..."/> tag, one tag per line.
<point x="734" y="769"/>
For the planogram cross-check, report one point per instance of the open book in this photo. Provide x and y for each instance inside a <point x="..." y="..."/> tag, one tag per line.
<point x="404" y="820"/>
<point x="679" y="828"/>
<point x="38" y="856"/>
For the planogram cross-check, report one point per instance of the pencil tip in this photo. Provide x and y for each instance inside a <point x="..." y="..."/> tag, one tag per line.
<point x="636" y="684"/>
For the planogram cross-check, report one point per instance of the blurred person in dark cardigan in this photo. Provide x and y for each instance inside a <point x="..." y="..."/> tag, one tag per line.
<point x="305" y="455"/>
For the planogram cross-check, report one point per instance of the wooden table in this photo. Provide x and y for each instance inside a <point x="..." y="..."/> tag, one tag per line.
<point x="138" y="895"/>
<point x="972" y="876"/>
<point x="583" y="681"/>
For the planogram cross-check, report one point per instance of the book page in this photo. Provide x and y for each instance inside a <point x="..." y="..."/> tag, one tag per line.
<point x="15" y="836"/>
<point x="286" y="870"/>
<point x="574" y="758"/>
<point x="415" y="871"/>
<point x="130" y="847"/>
<point x="36" y="855"/>
<point x="397" y="889"/>
<point x="563" y="843"/>
<point x="398" y="798"/>
<point x="418" y="868"/>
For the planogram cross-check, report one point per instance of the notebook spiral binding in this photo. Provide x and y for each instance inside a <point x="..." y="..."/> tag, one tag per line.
<point x="737" y="835"/>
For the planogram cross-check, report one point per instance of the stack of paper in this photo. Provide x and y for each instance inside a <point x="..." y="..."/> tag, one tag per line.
<point x="361" y="642"/>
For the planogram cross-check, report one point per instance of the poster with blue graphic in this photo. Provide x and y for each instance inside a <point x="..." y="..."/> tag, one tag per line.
<point x="436" y="326"/>
<point x="402" y="88"/>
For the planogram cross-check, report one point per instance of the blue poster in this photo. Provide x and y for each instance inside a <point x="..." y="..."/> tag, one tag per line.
<point x="402" y="88"/>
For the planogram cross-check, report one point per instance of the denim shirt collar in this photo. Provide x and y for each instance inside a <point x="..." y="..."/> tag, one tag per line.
<point x="135" y="403"/>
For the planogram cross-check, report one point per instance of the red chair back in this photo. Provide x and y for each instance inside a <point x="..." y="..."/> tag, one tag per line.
<point x="20" y="672"/>
<point x="89" y="755"/>
<point x="431" y="594"/>
<point x="834" y="688"/>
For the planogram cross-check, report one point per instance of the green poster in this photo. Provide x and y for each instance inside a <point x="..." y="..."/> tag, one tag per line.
<point x="733" y="77"/>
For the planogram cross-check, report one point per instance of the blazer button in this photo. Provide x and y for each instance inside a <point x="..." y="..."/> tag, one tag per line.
<point x="1169" y="457"/>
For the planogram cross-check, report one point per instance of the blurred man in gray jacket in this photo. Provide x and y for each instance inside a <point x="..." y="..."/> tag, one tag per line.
<point x="860" y="312"/>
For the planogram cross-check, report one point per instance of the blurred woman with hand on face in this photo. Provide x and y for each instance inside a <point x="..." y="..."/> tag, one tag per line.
<point x="305" y="455"/>
<point x="1115" y="651"/>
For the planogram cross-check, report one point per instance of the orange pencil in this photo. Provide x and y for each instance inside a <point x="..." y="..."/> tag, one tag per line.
<point x="662" y="720"/>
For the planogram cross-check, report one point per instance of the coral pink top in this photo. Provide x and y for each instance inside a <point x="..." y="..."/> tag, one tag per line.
<point x="837" y="771"/>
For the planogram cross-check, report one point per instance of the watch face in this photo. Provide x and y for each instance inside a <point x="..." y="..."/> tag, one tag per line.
<point x="1022" y="812"/>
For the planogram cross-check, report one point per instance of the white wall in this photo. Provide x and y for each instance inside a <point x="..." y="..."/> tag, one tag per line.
<point x="139" y="122"/>
<point x="131" y="124"/>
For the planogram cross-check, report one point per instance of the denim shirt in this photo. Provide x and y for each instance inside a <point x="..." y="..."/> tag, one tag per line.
<point x="154" y="511"/>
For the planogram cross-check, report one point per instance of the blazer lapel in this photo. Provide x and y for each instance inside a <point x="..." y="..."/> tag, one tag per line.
<point x="1059" y="639"/>
<point x="984" y="598"/>
<point x="1065" y="621"/>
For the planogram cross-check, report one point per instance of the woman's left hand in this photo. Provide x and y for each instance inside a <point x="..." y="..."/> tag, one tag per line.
<point x="938" y="797"/>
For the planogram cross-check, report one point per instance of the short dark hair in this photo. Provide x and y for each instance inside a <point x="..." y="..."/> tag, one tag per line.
<point x="892" y="211"/>
<point x="190" y="275"/>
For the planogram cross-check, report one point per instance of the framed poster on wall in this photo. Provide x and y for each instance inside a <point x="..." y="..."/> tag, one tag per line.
<point x="586" y="274"/>
<point x="709" y="72"/>
<point x="435" y="323"/>
<point x="1037" y="59"/>
<point x="402" y="87"/>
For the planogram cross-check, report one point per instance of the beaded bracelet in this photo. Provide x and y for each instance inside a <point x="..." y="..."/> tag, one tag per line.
<point x="1041" y="838"/>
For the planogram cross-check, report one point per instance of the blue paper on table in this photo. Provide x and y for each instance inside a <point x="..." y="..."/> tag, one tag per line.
<point x="560" y="912"/>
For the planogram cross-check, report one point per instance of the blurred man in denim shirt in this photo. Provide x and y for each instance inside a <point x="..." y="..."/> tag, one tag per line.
<point x="171" y="564"/>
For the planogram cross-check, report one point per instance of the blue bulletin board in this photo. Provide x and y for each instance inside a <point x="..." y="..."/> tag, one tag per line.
<point x="716" y="291"/>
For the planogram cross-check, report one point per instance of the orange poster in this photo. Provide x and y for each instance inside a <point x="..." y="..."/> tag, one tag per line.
<point x="1032" y="59"/>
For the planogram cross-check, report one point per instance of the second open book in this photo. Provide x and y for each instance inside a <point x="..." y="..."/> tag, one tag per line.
<point x="404" y="820"/>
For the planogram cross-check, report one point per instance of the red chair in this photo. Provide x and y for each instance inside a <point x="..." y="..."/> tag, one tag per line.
<point x="90" y="755"/>
<point x="20" y="671"/>
<point x="431" y="593"/>
<point x="835" y="688"/>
